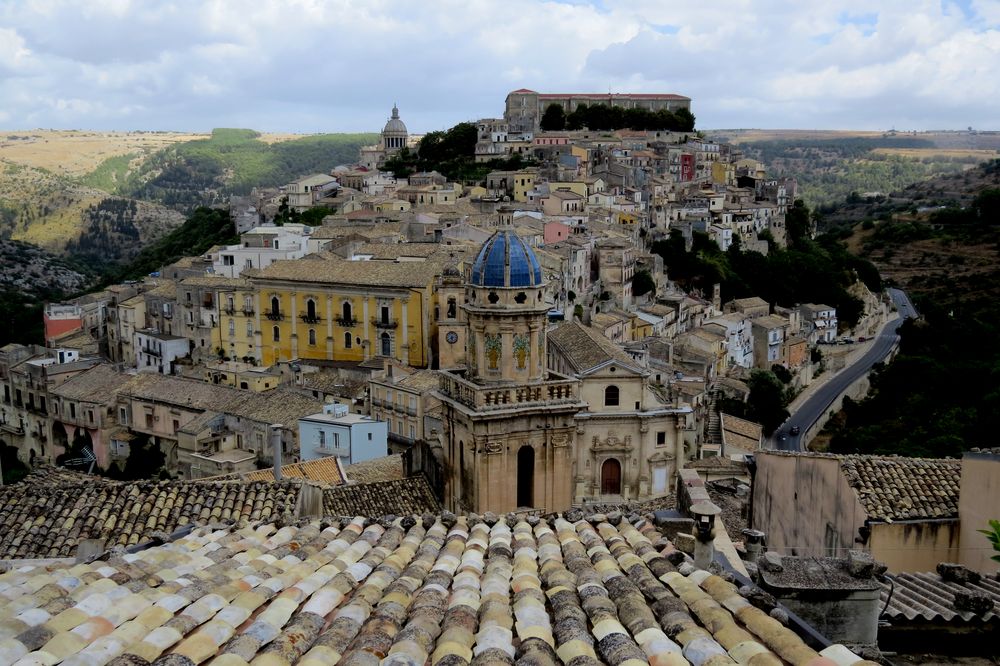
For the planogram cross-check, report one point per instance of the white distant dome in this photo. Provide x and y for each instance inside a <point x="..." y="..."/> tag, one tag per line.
<point x="395" y="125"/>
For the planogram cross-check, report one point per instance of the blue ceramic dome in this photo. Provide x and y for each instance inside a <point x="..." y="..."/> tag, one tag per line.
<point x="505" y="261"/>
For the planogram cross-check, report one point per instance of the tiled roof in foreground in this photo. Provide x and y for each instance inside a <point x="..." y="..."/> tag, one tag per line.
<point x="445" y="590"/>
<point x="41" y="521"/>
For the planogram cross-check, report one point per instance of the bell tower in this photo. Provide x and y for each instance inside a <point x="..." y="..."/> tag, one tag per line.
<point x="452" y="326"/>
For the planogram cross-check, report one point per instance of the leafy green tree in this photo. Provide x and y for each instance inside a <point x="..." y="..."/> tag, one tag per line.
<point x="783" y="374"/>
<point x="987" y="206"/>
<point x="643" y="283"/>
<point x="685" y="120"/>
<point x="797" y="224"/>
<point x="767" y="402"/>
<point x="554" y="118"/>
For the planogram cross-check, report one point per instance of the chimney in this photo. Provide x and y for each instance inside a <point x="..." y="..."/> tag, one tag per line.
<point x="704" y="513"/>
<point x="754" y="544"/>
<point x="276" y="447"/>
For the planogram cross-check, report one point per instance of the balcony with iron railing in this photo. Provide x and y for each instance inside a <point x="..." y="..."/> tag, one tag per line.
<point x="275" y="316"/>
<point x="11" y="428"/>
<point x="310" y="319"/>
<point x="557" y="390"/>
<point x="230" y="311"/>
<point x="150" y="351"/>
<point x="248" y="311"/>
<point x="379" y="322"/>
<point x="346" y="323"/>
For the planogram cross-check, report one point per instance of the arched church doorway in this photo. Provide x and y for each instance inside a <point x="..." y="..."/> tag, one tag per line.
<point x="611" y="477"/>
<point x="525" y="476"/>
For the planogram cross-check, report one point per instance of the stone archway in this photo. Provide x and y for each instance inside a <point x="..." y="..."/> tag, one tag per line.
<point x="611" y="477"/>
<point x="526" y="476"/>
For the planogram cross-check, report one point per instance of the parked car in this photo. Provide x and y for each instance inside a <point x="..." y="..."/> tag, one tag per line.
<point x="795" y="430"/>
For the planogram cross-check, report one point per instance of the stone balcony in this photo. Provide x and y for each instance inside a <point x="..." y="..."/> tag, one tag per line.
<point x="556" y="389"/>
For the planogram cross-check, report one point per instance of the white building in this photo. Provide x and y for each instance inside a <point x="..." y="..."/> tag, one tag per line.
<point x="260" y="247"/>
<point x="337" y="432"/>
<point x="739" y="338"/>
<point x="158" y="352"/>
<point x="819" y="322"/>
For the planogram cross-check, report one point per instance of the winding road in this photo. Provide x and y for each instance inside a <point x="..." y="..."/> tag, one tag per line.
<point x="817" y="404"/>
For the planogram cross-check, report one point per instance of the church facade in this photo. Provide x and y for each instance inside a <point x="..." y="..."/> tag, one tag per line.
<point x="526" y="424"/>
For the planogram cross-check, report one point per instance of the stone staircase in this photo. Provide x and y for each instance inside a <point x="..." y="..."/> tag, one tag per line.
<point x="713" y="429"/>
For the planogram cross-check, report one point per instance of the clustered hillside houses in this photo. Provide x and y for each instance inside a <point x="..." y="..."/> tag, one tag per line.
<point x="444" y="392"/>
<point x="462" y="317"/>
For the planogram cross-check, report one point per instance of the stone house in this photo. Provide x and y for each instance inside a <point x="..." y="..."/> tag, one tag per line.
<point x="904" y="511"/>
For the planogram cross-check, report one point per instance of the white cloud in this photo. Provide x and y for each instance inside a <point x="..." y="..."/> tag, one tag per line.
<point x="338" y="65"/>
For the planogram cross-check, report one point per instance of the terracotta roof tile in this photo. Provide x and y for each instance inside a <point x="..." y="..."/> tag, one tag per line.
<point x="385" y="468"/>
<point x="326" y="471"/>
<point x="585" y="347"/>
<point x="893" y="488"/>
<point x="446" y="590"/>
<point x="332" y="269"/>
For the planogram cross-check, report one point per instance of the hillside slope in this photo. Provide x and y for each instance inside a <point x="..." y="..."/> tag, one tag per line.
<point x="234" y="161"/>
<point x="939" y="397"/>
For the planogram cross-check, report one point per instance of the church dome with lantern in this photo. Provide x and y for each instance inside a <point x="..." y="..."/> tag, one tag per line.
<point x="505" y="261"/>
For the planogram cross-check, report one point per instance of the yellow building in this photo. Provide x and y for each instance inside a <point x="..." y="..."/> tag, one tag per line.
<point x="328" y="307"/>
<point x="577" y="186"/>
<point x="524" y="182"/>
<point x="235" y="334"/>
<point x="723" y="173"/>
<point x="242" y="375"/>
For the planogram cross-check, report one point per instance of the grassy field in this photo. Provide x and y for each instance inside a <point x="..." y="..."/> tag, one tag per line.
<point x="752" y="135"/>
<point x="979" y="155"/>
<point x="76" y="153"/>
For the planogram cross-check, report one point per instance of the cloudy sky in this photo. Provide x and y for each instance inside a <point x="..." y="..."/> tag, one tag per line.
<point x="338" y="65"/>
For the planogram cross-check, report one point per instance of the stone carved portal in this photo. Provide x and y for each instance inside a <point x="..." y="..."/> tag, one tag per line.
<point x="612" y="443"/>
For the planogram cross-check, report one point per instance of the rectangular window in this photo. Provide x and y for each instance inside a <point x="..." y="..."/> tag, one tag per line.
<point x="322" y="438"/>
<point x="249" y="329"/>
<point x="177" y="426"/>
<point x="413" y="432"/>
<point x="90" y="415"/>
<point x="661" y="438"/>
<point x="149" y="421"/>
<point x="123" y="416"/>
<point x="72" y="410"/>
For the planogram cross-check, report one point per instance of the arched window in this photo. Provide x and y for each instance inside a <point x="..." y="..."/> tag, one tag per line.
<point x="275" y="306"/>
<point x="311" y="310"/>
<point x="347" y="313"/>
<point x="611" y="396"/>
<point x="312" y="336"/>
<point x="347" y="340"/>
<point x="386" y="344"/>
<point x="452" y="308"/>
<point x="276" y="334"/>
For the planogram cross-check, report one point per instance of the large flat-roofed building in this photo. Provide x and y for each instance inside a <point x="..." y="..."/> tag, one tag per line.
<point x="525" y="107"/>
